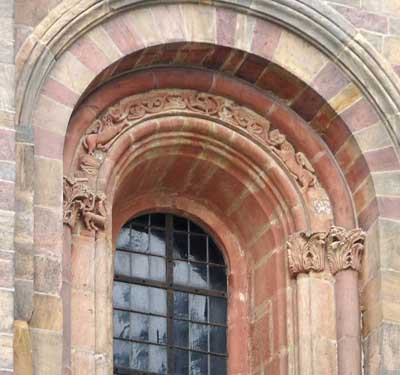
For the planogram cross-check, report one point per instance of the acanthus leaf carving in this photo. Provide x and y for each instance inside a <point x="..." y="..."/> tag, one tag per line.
<point x="306" y="252"/>
<point x="80" y="202"/>
<point x="126" y="113"/>
<point x="345" y="248"/>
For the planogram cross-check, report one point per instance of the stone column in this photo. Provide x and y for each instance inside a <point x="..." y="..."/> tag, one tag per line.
<point x="315" y="304"/>
<point x="345" y="249"/>
<point x="85" y="273"/>
<point x="7" y="185"/>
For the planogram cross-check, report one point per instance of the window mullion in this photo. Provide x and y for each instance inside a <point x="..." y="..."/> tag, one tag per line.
<point x="170" y="293"/>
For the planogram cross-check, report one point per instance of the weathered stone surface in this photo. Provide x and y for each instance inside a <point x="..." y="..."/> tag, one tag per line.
<point x="22" y="349"/>
<point x="47" y="274"/>
<point x="200" y="23"/>
<point x="51" y="115"/>
<point x="47" y="352"/>
<point x="47" y="312"/>
<point x="387" y="183"/>
<point x="72" y="73"/>
<point x="48" y="231"/>
<point x="83" y="309"/>
<point x="48" y="182"/>
<point x="391" y="49"/>
<point x="6" y="269"/>
<point x="7" y="171"/>
<point x="390" y="257"/>
<point x="7" y="87"/>
<point x="291" y="49"/>
<point x="83" y="363"/>
<point x="23" y="299"/>
<point x="6" y="230"/>
<point x="6" y="311"/>
<point x="390" y="344"/>
<point x="7" y="39"/>
<point x="6" y="351"/>
<point x="245" y="26"/>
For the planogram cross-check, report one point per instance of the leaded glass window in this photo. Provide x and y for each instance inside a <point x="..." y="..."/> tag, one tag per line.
<point x="170" y="299"/>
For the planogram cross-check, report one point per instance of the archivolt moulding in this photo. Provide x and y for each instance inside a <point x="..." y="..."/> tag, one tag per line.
<point x="314" y="21"/>
<point x="130" y="111"/>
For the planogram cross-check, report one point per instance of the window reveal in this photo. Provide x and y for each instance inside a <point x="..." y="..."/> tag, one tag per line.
<point x="170" y="303"/>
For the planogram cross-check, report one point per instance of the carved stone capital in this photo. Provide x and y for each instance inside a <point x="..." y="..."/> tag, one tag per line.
<point x="306" y="252"/>
<point x="81" y="203"/>
<point x="345" y="248"/>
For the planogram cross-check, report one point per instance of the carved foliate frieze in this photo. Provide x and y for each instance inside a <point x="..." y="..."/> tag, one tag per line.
<point x="306" y="252"/>
<point x="345" y="248"/>
<point x="103" y="132"/>
<point x="80" y="203"/>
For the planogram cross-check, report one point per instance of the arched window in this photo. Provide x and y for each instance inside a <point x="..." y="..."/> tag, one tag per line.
<point x="170" y="299"/>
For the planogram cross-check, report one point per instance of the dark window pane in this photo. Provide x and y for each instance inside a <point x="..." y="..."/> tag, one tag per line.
<point x="199" y="336"/>
<point x="142" y="220"/>
<point x="198" y="275"/>
<point x="122" y="263"/>
<point x="121" y="324"/>
<point x="181" y="362"/>
<point x="217" y="365"/>
<point x="157" y="359"/>
<point x="140" y="266"/>
<point x="121" y="295"/>
<point x="123" y="240"/>
<point x="181" y="333"/>
<point x="198" y="248"/>
<point x="139" y="240"/>
<point x="181" y="305"/>
<point x="218" y="340"/>
<point x="157" y="220"/>
<point x="158" y="301"/>
<point x="180" y="241"/>
<point x="121" y="353"/>
<point x="157" y="242"/>
<point x="181" y="273"/>
<point x="199" y="364"/>
<point x="157" y="268"/>
<point x="198" y="308"/>
<point x="140" y="298"/>
<point x="195" y="228"/>
<point x="139" y="357"/>
<point x="217" y="310"/>
<point x="215" y="255"/>
<point x="158" y="330"/>
<point x="218" y="278"/>
<point x="140" y="327"/>
<point x="180" y="223"/>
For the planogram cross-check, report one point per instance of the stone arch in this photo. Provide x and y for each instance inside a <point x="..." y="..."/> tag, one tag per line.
<point x="359" y="102"/>
<point x="176" y="142"/>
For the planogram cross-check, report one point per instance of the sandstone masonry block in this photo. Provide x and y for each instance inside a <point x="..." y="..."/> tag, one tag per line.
<point x="23" y="299"/>
<point x="47" y="274"/>
<point x="6" y="230"/>
<point x="48" y="182"/>
<point x="47" y="352"/>
<point x="47" y="312"/>
<point x="6" y="311"/>
<point x="22" y="348"/>
<point x="390" y="344"/>
<point x="290" y="55"/>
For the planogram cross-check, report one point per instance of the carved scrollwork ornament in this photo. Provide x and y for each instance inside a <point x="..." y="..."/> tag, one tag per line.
<point x="79" y="202"/>
<point x="105" y="129"/>
<point x="345" y="248"/>
<point x="306" y="252"/>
